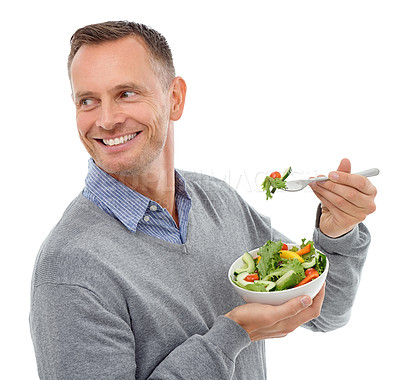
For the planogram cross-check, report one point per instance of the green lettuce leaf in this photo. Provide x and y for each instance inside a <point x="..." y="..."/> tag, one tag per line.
<point x="320" y="257"/>
<point x="270" y="183"/>
<point x="321" y="263"/>
<point x="270" y="257"/>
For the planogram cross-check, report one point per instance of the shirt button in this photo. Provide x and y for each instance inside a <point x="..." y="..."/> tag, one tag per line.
<point x="146" y="218"/>
<point x="153" y="208"/>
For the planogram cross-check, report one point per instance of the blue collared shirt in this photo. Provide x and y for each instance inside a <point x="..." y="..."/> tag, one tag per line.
<point x="134" y="210"/>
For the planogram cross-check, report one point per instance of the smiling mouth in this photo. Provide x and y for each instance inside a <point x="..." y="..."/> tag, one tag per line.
<point x="119" y="140"/>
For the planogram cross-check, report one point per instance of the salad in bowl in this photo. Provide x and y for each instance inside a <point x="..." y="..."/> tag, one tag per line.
<point x="277" y="272"/>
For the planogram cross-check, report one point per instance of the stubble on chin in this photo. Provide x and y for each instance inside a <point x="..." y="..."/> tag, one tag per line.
<point x="133" y="171"/>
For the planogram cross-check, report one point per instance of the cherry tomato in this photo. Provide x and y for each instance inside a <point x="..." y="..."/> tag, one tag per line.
<point x="284" y="247"/>
<point x="309" y="271"/>
<point x="251" y="277"/>
<point x="275" y="175"/>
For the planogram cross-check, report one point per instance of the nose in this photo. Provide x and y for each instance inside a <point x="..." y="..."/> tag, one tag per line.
<point x="110" y="115"/>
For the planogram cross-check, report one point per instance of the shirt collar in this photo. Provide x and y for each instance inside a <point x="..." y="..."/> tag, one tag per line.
<point x="122" y="202"/>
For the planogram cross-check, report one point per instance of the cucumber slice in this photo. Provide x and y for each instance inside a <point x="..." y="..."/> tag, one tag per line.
<point x="249" y="264"/>
<point x="269" y="285"/>
<point x="288" y="280"/>
<point x="309" y="264"/>
<point x="287" y="173"/>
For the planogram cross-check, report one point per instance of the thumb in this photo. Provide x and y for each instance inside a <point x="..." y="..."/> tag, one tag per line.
<point x="345" y="166"/>
<point x="291" y="308"/>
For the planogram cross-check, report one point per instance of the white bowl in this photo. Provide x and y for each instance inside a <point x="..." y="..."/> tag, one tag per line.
<point x="281" y="296"/>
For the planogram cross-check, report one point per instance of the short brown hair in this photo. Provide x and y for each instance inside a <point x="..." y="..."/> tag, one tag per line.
<point x="159" y="51"/>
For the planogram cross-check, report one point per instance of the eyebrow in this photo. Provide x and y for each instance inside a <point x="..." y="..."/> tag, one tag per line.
<point x="130" y="85"/>
<point x="84" y="94"/>
<point x="119" y="87"/>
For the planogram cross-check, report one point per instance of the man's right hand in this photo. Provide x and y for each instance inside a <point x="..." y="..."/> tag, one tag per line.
<point x="266" y="321"/>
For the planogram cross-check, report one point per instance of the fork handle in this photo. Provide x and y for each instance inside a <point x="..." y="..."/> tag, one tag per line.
<point x="369" y="172"/>
<point x="366" y="173"/>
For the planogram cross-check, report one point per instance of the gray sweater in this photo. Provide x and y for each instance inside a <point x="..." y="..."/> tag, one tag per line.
<point x="108" y="303"/>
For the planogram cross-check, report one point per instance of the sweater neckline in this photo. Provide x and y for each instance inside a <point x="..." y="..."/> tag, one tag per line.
<point x="173" y="247"/>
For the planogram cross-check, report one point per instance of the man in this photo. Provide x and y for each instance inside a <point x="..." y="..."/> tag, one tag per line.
<point x="131" y="283"/>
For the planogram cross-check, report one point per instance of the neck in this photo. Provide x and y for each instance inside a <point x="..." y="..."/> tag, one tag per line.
<point x="157" y="182"/>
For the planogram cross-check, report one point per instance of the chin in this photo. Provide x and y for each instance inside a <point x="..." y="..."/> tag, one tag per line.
<point x="123" y="167"/>
<point x="129" y="163"/>
<point x="118" y="169"/>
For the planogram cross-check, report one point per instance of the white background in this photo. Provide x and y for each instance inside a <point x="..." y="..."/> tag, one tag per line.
<point x="270" y="84"/>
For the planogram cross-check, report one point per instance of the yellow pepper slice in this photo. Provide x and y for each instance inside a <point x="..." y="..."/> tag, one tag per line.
<point x="291" y="255"/>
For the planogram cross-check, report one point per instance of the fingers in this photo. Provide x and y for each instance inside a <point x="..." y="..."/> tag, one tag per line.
<point x="292" y="321"/>
<point x="347" y="200"/>
<point x="361" y="183"/>
<point x="265" y="321"/>
<point x="350" y="193"/>
<point x="254" y="316"/>
<point x="307" y="314"/>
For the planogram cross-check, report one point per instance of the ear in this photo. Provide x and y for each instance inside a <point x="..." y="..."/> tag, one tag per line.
<point x="177" y="97"/>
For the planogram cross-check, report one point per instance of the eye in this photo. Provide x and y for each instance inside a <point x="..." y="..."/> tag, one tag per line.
<point x="86" y="102"/>
<point x="128" y="94"/>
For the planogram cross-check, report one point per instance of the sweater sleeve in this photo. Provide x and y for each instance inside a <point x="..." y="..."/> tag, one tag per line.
<point x="76" y="336"/>
<point x="346" y="256"/>
<point x="211" y="356"/>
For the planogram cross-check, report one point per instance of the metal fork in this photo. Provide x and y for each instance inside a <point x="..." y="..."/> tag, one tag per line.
<point x="300" y="184"/>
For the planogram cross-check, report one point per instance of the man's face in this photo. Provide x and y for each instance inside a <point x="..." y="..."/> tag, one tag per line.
<point x="122" y="110"/>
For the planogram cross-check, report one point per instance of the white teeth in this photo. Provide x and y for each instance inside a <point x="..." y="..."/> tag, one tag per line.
<point x="119" y="140"/>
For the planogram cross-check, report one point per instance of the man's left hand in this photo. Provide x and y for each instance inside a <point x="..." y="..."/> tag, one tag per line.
<point x="346" y="200"/>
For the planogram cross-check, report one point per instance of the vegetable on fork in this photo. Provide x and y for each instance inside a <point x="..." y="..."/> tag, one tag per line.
<point x="275" y="181"/>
